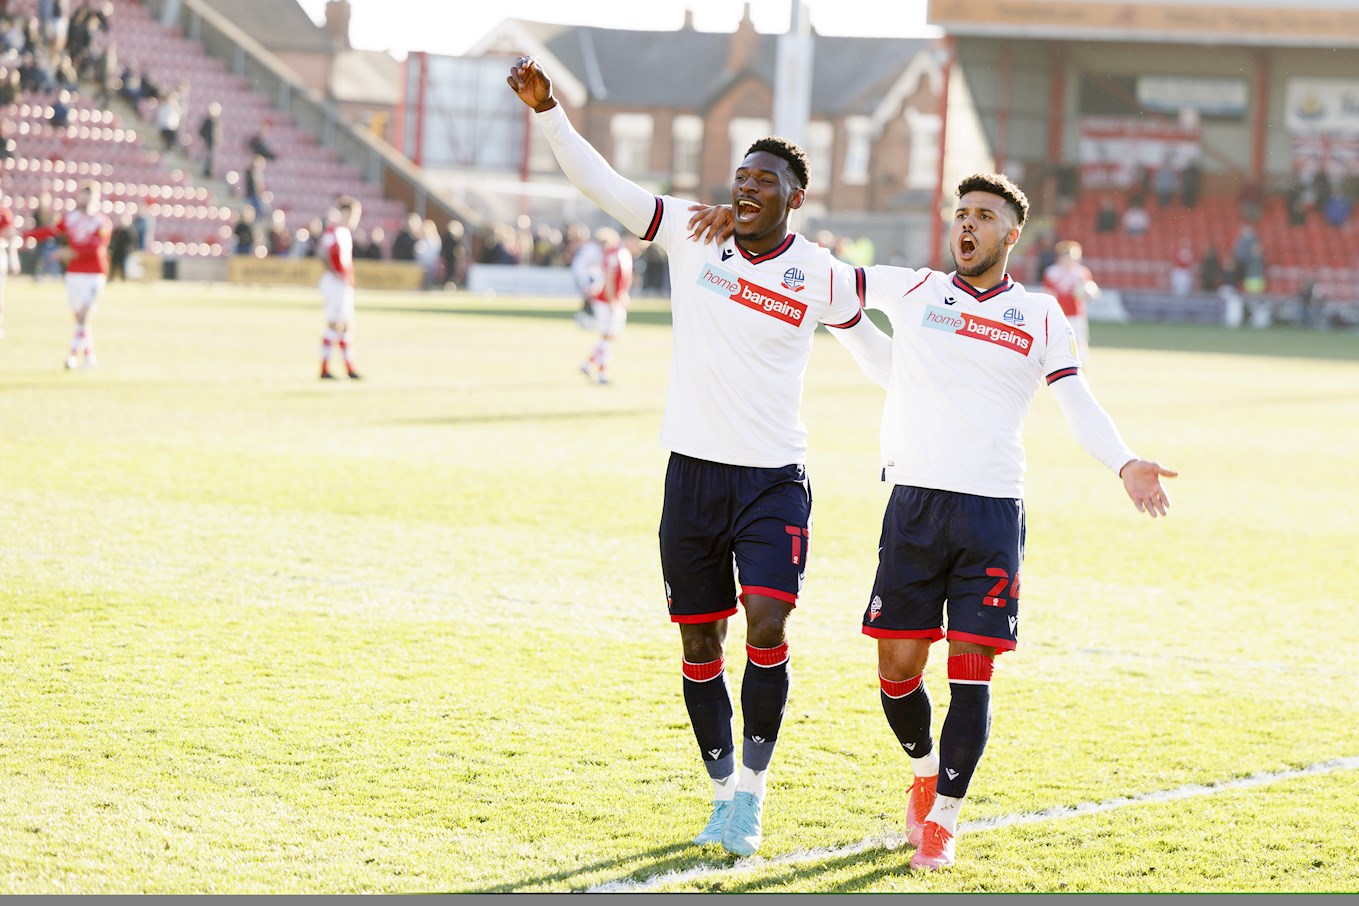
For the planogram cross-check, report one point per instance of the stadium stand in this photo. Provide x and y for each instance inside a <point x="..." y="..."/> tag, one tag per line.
<point x="117" y="145"/>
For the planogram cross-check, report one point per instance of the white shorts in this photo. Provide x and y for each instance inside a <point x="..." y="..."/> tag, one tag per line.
<point x="610" y="317"/>
<point x="1080" y="326"/>
<point x="83" y="290"/>
<point x="338" y="298"/>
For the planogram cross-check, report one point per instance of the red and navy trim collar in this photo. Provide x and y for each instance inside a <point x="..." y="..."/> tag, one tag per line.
<point x="775" y="252"/>
<point x="982" y="295"/>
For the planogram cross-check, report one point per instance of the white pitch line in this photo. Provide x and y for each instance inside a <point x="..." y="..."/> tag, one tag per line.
<point x="894" y="841"/>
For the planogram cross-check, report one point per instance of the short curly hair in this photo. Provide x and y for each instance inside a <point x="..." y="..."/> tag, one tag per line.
<point x="998" y="184"/>
<point x="782" y="147"/>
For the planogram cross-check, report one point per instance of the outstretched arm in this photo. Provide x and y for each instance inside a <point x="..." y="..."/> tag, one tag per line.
<point x="624" y="200"/>
<point x="1096" y="433"/>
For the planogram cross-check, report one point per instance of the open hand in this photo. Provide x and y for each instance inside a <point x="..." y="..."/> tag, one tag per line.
<point x="1142" y="481"/>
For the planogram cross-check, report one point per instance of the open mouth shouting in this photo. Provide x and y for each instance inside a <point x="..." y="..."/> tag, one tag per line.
<point x="967" y="247"/>
<point x="747" y="210"/>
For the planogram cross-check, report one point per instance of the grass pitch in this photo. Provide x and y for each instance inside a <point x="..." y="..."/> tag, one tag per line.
<point x="264" y="634"/>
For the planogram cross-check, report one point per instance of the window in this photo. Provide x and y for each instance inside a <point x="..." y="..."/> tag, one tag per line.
<point x="687" y="141"/>
<point x="744" y="132"/>
<point x="820" y="146"/>
<point x="631" y="143"/>
<point x="858" y="146"/>
<point x="923" y="165"/>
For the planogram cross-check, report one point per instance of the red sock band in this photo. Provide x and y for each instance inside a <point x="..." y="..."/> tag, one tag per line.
<point x="701" y="673"/>
<point x="900" y="688"/>
<point x="767" y="657"/>
<point x="970" y="668"/>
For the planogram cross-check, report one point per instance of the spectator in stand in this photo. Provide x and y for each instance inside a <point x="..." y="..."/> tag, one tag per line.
<point x="1047" y="254"/>
<point x="406" y="238"/>
<point x="429" y="252"/>
<point x="131" y="87"/>
<point x="1337" y="209"/>
<point x="1251" y="200"/>
<point x="254" y="188"/>
<point x="1182" y="273"/>
<point x="210" y="131"/>
<point x="280" y="237"/>
<point x="46" y="263"/>
<point x="169" y="113"/>
<point x="373" y="249"/>
<point x="1210" y="271"/>
<point x="1191" y="182"/>
<point x="1167" y="182"/>
<point x="1253" y="268"/>
<point x="1106" y="221"/>
<point x="61" y="110"/>
<point x="121" y="245"/>
<point x="453" y="249"/>
<point x="10" y="90"/>
<point x="1136" y="220"/>
<point x="259" y="142"/>
<point x="245" y="231"/>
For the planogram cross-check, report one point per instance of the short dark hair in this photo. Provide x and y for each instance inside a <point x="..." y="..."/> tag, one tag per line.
<point x="998" y="184"/>
<point x="781" y="147"/>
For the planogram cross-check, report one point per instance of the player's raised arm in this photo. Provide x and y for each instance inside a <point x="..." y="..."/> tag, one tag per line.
<point x="624" y="200"/>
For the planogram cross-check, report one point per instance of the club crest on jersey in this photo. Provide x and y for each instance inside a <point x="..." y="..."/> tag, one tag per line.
<point x="1013" y="316"/>
<point x="794" y="279"/>
<point x="965" y="324"/>
<point x="875" y="608"/>
<point x="723" y="282"/>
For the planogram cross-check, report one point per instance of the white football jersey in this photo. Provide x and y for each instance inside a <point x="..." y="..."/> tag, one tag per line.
<point x="966" y="365"/>
<point x="742" y="337"/>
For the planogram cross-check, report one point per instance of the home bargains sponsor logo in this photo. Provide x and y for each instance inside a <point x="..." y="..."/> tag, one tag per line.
<point x="717" y="280"/>
<point x="968" y="325"/>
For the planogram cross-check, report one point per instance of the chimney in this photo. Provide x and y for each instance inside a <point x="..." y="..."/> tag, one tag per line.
<point x="337" y="23"/>
<point x="688" y="19"/>
<point x="744" y="42"/>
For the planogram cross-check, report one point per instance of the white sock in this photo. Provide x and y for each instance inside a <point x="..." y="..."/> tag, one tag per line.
<point x="926" y="766"/>
<point x="724" y="790"/>
<point x="945" y="813"/>
<point x="752" y="782"/>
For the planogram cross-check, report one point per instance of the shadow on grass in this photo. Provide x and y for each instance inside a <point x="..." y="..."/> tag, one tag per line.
<point x="662" y="860"/>
<point x="635" y="315"/>
<point x="1288" y="342"/>
<point x="493" y="418"/>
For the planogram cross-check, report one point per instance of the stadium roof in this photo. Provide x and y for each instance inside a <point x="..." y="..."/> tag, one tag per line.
<point x="280" y="25"/>
<point x="1282" y="23"/>
<point x="685" y="67"/>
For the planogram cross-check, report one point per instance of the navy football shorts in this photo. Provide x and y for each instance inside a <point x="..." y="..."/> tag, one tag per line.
<point x="720" y="522"/>
<point x="941" y="548"/>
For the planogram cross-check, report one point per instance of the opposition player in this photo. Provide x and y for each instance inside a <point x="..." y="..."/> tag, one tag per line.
<point x="736" y="490"/>
<point x="968" y="352"/>
<point x="1073" y="285"/>
<point x="8" y="253"/>
<point x="585" y="261"/>
<point x="609" y="303"/>
<point x="87" y="231"/>
<point x="335" y="248"/>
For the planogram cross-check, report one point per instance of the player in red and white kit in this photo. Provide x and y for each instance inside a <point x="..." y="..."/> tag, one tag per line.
<point x="737" y="502"/>
<point x="1073" y="285"/>
<point x="335" y="249"/>
<point x="609" y="301"/>
<point x="8" y="248"/>
<point x="87" y="231"/>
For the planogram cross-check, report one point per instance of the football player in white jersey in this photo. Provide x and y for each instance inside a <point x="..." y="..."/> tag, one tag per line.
<point x="736" y="494"/>
<point x="969" y="351"/>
